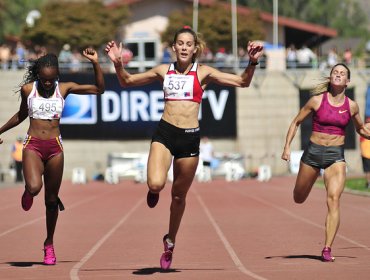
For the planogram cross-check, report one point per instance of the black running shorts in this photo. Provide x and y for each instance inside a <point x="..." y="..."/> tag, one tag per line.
<point x="322" y="156"/>
<point x="366" y="164"/>
<point x="182" y="142"/>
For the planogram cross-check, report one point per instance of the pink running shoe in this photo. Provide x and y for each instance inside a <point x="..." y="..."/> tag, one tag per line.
<point x="49" y="255"/>
<point x="27" y="200"/>
<point x="326" y="255"/>
<point x="166" y="258"/>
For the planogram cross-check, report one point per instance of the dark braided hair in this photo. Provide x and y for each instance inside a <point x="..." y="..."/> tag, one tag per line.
<point x="33" y="70"/>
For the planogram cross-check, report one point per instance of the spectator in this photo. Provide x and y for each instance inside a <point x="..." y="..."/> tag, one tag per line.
<point x="332" y="57"/>
<point x="166" y="55"/>
<point x="21" y="54"/>
<point x="5" y="56"/>
<point x="305" y="56"/>
<point x="206" y="155"/>
<point x="65" y="56"/>
<point x="17" y="149"/>
<point x="291" y="56"/>
<point x="347" y="56"/>
<point x="220" y="57"/>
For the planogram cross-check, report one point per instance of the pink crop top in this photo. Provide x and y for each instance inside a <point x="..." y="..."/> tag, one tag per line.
<point x="330" y="119"/>
<point x="182" y="87"/>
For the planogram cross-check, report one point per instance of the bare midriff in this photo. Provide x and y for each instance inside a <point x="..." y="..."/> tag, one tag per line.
<point x="44" y="129"/>
<point x="324" y="139"/>
<point x="183" y="114"/>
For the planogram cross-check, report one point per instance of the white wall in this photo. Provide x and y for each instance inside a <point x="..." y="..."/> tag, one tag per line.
<point x="264" y="112"/>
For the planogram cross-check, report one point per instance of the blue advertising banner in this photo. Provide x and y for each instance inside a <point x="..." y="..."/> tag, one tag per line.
<point x="133" y="113"/>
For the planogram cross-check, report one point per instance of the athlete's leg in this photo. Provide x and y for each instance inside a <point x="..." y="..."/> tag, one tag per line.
<point x="33" y="168"/>
<point x="334" y="177"/>
<point x="53" y="179"/>
<point x="159" y="162"/>
<point x="306" y="177"/>
<point x="184" y="171"/>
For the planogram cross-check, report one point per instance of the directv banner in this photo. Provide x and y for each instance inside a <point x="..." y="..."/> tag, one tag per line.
<point x="133" y="113"/>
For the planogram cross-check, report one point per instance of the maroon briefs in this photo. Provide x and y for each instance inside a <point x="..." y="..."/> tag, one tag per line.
<point x="45" y="149"/>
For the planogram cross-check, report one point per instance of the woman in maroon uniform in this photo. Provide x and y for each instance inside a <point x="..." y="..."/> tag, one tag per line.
<point x="43" y="101"/>
<point x="178" y="132"/>
<point x="332" y="110"/>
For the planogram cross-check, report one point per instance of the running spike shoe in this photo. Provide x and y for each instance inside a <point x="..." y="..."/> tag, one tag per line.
<point x="326" y="255"/>
<point x="49" y="255"/>
<point x="166" y="258"/>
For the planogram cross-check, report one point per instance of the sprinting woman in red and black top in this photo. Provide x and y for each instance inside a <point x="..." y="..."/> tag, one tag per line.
<point x="178" y="133"/>
<point x="332" y="110"/>
<point x="43" y="160"/>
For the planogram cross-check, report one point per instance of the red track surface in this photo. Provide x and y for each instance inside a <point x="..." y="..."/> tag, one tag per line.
<point x="230" y="230"/>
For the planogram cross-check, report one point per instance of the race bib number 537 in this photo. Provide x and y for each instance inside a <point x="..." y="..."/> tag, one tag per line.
<point x="178" y="87"/>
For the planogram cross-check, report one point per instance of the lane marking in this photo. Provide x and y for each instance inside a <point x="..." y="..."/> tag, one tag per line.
<point x="43" y="217"/>
<point x="307" y="221"/>
<point x="75" y="269"/>
<point x="224" y="240"/>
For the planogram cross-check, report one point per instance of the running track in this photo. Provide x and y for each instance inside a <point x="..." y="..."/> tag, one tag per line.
<point x="235" y="230"/>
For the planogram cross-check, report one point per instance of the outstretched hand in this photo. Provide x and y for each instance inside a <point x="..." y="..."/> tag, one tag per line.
<point x="90" y="54"/>
<point x="254" y="50"/>
<point x="114" y="52"/>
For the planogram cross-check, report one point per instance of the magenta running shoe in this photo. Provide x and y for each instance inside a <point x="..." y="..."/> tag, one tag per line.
<point x="27" y="200"/>
<point x="49" y="255"/>
<point x="152" y="199"/>
<point x="326" y="255"/>
<point x="166" y="258"/>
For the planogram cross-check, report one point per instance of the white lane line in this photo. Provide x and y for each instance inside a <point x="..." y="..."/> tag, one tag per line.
<point x="226" y="243"/>
<point x="307" y="221"/>
<point x="75" y="269"/>
<point x="43" y="217"/>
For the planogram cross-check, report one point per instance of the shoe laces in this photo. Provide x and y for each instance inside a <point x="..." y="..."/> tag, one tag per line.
<point x="49" y="251"/>
<point x="168" y="254"/>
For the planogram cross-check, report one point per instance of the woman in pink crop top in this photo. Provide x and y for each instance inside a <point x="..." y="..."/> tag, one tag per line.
<point x="178" y="133"/>
<point x="42" y="100"/>
<point x="332" y="111"/>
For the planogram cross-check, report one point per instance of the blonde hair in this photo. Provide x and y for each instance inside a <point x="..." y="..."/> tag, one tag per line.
<point x="321" y="87"/>
<point x="200" y="44"/>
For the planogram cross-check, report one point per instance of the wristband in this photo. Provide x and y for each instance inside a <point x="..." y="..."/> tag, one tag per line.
<point x="253" y="63"/>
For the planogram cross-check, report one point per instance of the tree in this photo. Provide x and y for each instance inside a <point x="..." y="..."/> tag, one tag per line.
<point x="347" y="16"/>
<point x="78" y="24"/>
<point x="215" y="26"/>
<point x="13" y="15"/>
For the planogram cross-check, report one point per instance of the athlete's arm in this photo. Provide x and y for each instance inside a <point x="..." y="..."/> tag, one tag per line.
<point x="21" y="115"/>
<point x="361" y="128"/>
<point x="303" y="113"/>
<point x="209" y="74"/>
<point x="98" y="87"/>
<point x="126" y="79"/>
